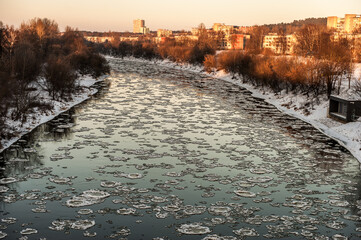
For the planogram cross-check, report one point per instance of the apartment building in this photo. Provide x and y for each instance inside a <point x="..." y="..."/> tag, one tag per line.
<point x="347" y="24"/>
<point x="279" y="44"/>
<point x="139" y="26"/>
<point x="234" y="41"/>
<point x="227" y="29"/>
<point x="98" y="39"/>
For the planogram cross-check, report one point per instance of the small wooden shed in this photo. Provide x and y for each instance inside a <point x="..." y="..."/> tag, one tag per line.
<point x="343" y="109"/>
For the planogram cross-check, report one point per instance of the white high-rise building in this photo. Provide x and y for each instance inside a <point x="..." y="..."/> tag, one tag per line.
<point x="139" y="26"/>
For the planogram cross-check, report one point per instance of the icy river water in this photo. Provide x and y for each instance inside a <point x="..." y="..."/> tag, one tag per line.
<point x="161" y="153"/>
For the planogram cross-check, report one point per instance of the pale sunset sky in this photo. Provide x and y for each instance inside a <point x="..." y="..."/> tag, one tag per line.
<point x="118" y="15"/>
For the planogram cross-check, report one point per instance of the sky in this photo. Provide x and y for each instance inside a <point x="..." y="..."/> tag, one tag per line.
<point x="118" y="15"/>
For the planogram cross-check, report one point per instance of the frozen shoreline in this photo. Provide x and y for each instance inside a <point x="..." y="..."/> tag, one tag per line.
<point x="348" y="135"/>
<point x="34" y="120"/>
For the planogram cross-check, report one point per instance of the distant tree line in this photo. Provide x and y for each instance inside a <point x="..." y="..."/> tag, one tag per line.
<point x="296" y="25"/>
<point x="38" y="55"/>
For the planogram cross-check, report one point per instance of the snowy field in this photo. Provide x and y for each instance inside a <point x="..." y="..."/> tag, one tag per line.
<point x="348" y="135"/>
<point x="37" y="118"/>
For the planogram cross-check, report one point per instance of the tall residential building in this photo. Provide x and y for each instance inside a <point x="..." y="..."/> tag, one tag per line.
<point x="332" y="22"/>
<point x="347" y="24"/>
<point x="352" y="21"/>
<point x="138" y="26"/>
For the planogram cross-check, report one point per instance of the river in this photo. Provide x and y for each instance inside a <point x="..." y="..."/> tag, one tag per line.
<point x="161" y="153"/>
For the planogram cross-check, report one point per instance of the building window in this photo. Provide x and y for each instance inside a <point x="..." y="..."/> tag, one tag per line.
<point x="342" y="108"/>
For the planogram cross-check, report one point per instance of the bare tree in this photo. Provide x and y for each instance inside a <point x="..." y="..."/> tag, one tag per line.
<point x="256" y="41"/>
<point x="281" y="43"/>
<point x="308" y="39"/>
<point x="26" y="66"/>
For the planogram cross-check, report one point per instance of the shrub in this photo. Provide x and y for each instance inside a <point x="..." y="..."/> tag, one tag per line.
<point x="210" y="63"/>
<point x="149" y="51"/>
<point x="198" y="53"/>
<point x="87" y="62"/>
<point x="124" y="49"/>
<point x="179" y="53"/>
<point x="60" y="78"/>
<point x="235" y="62"/>
<point x="98" y="65"/>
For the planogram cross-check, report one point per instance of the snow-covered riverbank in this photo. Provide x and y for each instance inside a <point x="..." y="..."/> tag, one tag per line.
<point x="309" y="110"/>
<point x="35" y="119"/>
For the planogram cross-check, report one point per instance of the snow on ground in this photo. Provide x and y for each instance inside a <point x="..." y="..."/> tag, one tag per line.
<point x="348" y="135"/>
<point x="35" y="119"/>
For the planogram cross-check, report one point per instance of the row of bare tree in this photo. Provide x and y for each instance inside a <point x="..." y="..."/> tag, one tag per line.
<point x="36" y="55"/>
<point x="309" y="76"/>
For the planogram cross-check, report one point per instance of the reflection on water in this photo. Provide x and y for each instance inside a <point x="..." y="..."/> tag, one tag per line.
<point x="164" y="153"/>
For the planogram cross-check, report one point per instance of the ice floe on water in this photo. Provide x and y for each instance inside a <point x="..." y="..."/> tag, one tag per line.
<point x="8" y="180"/>
<point x="338" y="203"/>
<point x="3" y="189"/>
<point x="89" y="234"/>
<point x="9" y="220"/>
<point x="109" y="184"/>
<point x="243" y="193"/>
<point x="2" y="235"/>
<point x="193" y="229"/>
<point x="28" y="231"/>
<point x="82" y="224"/>
<point x="220" y="210"/>
<point x="85" y="211"/>
<point x="126" y="211"/>
<point x="80" y="202"/>
<point x="216" y="237"/>
<point x="95" y="194"/>
<point x="246" y="232"/>
<point x="260" y="179"/>
<point x="60" y="180"/>
<point x="194" y="210"/>
<point x="59" y="225"/>
<point x="41" y="209"/>
<point x="161" y="215"/>
<point x="134" y="175"/>
<point x="158" y="199"/>
<point x="87" y="198"/>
